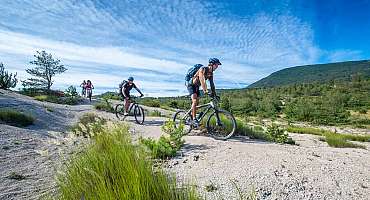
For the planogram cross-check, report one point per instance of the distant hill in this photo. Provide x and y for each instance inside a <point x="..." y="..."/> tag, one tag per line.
<point x="315" y="73"/>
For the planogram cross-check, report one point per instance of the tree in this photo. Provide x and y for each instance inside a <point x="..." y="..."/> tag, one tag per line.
<point x="7" y="80"/>
<point x="46" y="68"/>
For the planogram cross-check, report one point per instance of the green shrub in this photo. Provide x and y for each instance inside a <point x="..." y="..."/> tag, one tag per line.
<point x="151" y="102"/>
<point x="155" y="113"/>
<point x="59" y="100"/>
<point x="166" y="146"/>
<point x="104" y="105"/>
<point x="7" y="80"/>
<point x="243" y="129"/>
<point x="278" y="135"/>
<point x="113" y="168"/>
<point x="15" y="118"/>
<point x="88" y="125"/>
<point x="71" y="91"/>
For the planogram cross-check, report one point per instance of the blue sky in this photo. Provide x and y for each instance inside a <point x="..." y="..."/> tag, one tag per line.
<point x="157" y="40"/>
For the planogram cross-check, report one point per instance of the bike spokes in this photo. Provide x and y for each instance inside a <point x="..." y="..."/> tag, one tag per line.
<point x="139" y="114"/>
<point x="181" y="117"/>
<point x="221" y="125"/>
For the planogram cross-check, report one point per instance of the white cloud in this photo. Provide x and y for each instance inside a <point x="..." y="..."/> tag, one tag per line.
<point x="159" y="35"/>
<point x="343" y="55"/>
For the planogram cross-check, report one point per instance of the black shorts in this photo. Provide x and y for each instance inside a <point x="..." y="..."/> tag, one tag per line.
<point x="193" y="89"/>
<point x="126" y="94"/>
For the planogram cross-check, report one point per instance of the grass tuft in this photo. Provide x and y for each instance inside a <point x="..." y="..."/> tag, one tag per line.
<point x="15" y="118"/>
<point x="333" y="139"/>
<point x="166" y="146"/>
<point x="113" y="168"/>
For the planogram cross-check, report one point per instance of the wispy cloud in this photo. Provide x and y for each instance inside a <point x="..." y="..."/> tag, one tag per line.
<point x="155" y="40"/>
<point x="344" y="55"/>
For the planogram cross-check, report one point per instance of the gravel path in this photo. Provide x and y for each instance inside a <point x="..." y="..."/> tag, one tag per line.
<point x="311" y="170"/>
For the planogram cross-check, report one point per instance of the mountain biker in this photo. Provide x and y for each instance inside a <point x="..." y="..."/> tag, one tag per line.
<point x="83" y="85"/>
<point x="199" y="79"/>
<point x="125" y="92"/>
<point x="89" y="86"/>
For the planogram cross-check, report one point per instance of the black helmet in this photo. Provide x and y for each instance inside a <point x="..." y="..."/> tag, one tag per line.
<point x="131" y="78"/>
<point x="214" y="61"/>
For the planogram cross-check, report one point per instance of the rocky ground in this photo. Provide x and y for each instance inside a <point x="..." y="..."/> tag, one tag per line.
<point x="309" y="170"/>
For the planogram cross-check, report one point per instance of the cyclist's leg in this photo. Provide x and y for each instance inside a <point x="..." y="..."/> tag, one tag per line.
<point x="126" y="95"/>
<point x="194" y="94"/>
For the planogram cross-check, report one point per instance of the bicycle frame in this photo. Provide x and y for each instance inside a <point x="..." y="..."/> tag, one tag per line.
<point x="208" y="106"/>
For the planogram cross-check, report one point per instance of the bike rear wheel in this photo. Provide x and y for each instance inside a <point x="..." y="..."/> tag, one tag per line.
<point x="181" y="117"/>
<point x="120" y="110"/>
<point x="89" y="94"/>
<point x="139" y="114"/>
<point x="221" y="125"/>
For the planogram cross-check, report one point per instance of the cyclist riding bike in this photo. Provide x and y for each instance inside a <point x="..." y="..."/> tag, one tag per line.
<point x="89" y="86"/>
<point x="83" y="86"/>
<point x="125" y="88"/>
<point x="199" y="79"/>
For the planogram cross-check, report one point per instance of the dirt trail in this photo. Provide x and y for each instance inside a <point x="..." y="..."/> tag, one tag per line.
<point x="311" y="170"/>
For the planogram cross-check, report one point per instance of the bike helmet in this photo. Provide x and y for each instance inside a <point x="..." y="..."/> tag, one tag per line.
<point x="131" y="78"/>
<point x="214" y="61"/>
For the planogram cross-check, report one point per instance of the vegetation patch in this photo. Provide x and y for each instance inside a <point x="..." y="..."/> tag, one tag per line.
<point x="155" y="113"/>
<point x="278" y="135"/>
<point x="104" y="105"/>
<point x="57" y="99"/>
<point x="15" y="118"/>
<point x="7" y="80"/>
<point x="88" y="125"/>
<point x="113" y="168"/>
<point x="166" y="146"/>
<point x="16" y="176"/>
<point x="333" y="139"/>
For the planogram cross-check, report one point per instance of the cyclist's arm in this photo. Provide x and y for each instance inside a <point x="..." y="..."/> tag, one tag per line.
<point x="212" y="83"/>
<point x="202" y="80"/>
<point x="92" y="86"/>
<point x="137" y="89"/>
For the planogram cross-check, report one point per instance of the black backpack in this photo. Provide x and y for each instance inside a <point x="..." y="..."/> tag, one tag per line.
<point x="121" y="86"/>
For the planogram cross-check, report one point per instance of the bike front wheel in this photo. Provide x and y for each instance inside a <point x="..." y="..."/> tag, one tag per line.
<point x="120" y="110"/>
<point x="221" y="125"/>
<point x="139" y="114"/>
<point x="181" y="117"/>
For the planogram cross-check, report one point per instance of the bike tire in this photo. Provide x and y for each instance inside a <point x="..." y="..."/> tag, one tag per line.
<point x="139" y="114"/>
<point x="119" y="110"/>
<point x="179" y="117"/>
<point x="215" y="125"/>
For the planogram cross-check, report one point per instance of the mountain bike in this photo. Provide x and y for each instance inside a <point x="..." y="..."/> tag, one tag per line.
<point x="220" y="124"/>
<point x="89" y="93"/>
<point x="134" y="110"/>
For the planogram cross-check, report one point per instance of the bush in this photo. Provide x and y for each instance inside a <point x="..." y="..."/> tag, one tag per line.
<point x="7" y="80"/>
<point x="58" y="100"/>
<point x="278" y="135"/>
<point x="155" y="113"/>
<point x="15" y="118"/>
<point x="71" y="92"/>
<point x="113" y="168"/>
<point x="104" y="105"/>
<point x="253" y="133"/>
<point x="151" y="102"/>
<point x="166" y="147"/>
<point x="88" y="125"/>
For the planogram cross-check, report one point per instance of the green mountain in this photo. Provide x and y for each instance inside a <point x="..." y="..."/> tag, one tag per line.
<point x="315" y="73"/>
